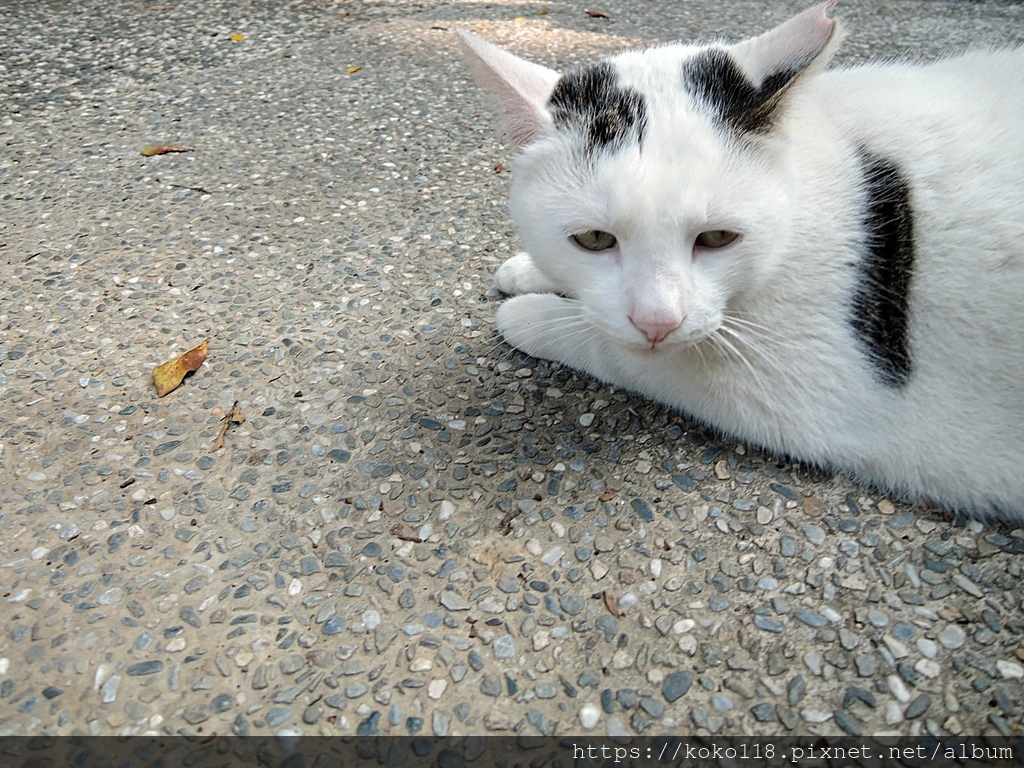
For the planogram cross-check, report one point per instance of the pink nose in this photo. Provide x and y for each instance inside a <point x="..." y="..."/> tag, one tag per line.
<point x="655" y="330"/>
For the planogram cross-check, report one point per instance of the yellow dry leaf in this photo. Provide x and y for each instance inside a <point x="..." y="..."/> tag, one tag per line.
<point x="168" y="376"/>
<point x="519" y="19"/>
<point x="162" y="149"/>
<point x="237" y="38"/>
<point x="353" y="70"/>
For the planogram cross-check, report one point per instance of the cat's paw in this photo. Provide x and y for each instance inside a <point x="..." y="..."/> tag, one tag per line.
<point x="520" y="275"/>
<point x="539" y="323"/>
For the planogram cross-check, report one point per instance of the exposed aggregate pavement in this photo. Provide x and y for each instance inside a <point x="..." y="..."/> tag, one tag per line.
<point x="416" y="529"/>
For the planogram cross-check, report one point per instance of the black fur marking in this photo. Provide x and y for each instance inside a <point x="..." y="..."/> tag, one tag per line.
<point x="715" y="79"/>
<point x="590" y="100"/>
<point x="880" y="312"/>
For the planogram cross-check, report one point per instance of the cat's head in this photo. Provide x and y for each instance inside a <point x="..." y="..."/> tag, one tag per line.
<point x="649" y="186"/>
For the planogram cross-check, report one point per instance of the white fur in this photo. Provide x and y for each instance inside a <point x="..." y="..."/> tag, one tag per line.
<point x="765" y="350"/>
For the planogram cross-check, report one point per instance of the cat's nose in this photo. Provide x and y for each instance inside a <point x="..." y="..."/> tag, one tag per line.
<point x="655" y="330"/>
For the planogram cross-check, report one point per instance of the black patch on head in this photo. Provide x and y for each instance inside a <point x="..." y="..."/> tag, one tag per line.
<point x="716" y="80"/>
<point x="881" y="304"/>
<point x="590" y="100"/>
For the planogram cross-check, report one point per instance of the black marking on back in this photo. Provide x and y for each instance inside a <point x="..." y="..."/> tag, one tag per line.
<point x="881" y="304"/>
<point x="716" y="80"/>
<point x="590" y="100"/>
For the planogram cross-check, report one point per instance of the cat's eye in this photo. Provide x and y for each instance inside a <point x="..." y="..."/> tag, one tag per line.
<point x="595" y="240"/>
<point x="716" y="238"/>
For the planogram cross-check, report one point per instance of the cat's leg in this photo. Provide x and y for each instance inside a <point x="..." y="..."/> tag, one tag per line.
<point x="520" y="275"/>
<point x="553" y="328"/>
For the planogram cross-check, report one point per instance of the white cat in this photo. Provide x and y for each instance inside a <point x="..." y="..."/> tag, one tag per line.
<point x="826" y="264"/>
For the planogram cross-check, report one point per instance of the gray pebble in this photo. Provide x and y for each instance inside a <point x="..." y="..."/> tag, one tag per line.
<point x="453" y="601"/>
<point x="918" y="707"/>
<point x="676" y="685"/>
<point x="144" y="668"/>
<point x="952" y="637"/>
<point x="767" y="625"/>
<point x="810" y="618"/>
<point x="504" y="647"/>
<point x="846" y="722"/>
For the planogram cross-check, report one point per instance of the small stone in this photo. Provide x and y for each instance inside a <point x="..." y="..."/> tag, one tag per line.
<point x="144" y="668"/>
<point x="589" y="716"/>
<point x="504" y="647"/>
<point x="918" y="707"/>
<point x="436" y="688"/>
<point x="676" y="685"/>
<point x="928" y="648"/>
<point x="816" y="715"/>
<point x="1010" y="670"/>
<point x="368" y="727"/>
<point x="767" y="625"/>
<point x="454" y="601"/>
<point x="278" y="716"/>
<point x="108" y="691"/>
<point x="893" y="713"/>
<point x="763" y="713"/>
<point x="952" y="637"/>
<point x="847" y="722"/>
<point x="967" y="585"/>
<point x="929" y="668"/>
<point x="196" y="714"/>
<point x="898" y="688"/>
<point x="810" y="618"/>
<point x="334" y="625"/>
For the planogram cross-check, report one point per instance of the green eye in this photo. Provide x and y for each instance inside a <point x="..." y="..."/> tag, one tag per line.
<point x="716" y="238"/>
<point x="595" y="240"/>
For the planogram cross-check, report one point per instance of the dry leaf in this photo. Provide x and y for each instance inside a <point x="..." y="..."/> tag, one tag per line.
<point x="168" y="376"/>
<point x="237" y="38"/>
<point x="542" y="12"/>
<point x="519" y="19"/>
<point x="163" y="149"/>
<point x="353" y="70"/>
<point x="607" y="496"/>
<point x="498" y="166"/>
<point x="598" y="15"/>
<point x="235" y="416"/>
<point x="613" y="605"/>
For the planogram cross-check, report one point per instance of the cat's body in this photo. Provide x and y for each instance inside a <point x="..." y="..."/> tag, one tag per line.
<point x="867" y="317"/>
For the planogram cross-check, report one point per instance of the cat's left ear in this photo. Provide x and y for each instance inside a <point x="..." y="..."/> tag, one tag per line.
<point x="519" y="89"/>
<point x="806" y="42"/>
<point x="775" y="60"/>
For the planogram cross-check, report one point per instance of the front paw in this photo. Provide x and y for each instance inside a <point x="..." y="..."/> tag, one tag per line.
<point x="542" y="325"/>
<point x="520" y="275"/>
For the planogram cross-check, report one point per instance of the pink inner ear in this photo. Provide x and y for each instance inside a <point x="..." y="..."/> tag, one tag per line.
<point x="519" y="89"/>
<point x="793" y="45"/>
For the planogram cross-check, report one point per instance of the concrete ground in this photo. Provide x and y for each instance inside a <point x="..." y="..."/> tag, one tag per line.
<point x="415" y="529"/>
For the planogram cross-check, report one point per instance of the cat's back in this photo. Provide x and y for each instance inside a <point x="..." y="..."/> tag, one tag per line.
<point x="971" y="103"/>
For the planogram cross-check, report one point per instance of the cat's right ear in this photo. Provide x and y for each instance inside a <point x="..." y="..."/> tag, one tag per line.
<point x="519" y="89"/>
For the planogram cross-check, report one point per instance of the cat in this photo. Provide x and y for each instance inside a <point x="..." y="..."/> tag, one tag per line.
<point x="825" y="264"/>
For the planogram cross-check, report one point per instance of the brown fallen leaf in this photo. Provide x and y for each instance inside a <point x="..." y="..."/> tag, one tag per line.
<point x="163" y="149"/>
<point x="235" y="416"/>
<point x="613" y="605"/>
<point x="498" y="166"/>
<point x="597" y="15"/>
<point x="168" y="376"/>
